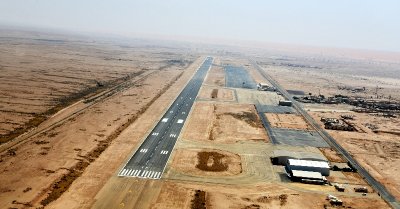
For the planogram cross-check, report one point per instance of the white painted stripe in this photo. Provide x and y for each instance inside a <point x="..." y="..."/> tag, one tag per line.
<point x="123" y="172"/>
<point x="164" y="120"/>
<point x="180" y="121"/>
<point x="130" y="172"/>
<point x="145" y="173"/>
<point x="151" y="174"/>
<point x="148" y="175"/>
<point x="142" y="173"/>
<point x="136" y="172"/>
<point x="133" y="173"/>
<point x="127" y="171"/>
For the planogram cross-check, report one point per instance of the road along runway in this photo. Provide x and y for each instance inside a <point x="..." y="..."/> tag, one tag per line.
<point x="380" y="188"/>
<point x="151" y="157"/>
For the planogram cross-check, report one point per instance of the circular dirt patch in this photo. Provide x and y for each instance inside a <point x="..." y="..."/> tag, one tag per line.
<point x="207" y="162"/>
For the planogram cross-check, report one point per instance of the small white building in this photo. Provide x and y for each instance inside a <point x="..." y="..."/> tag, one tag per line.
<point x="265" y="87"/>
<point x="308" y="165"/>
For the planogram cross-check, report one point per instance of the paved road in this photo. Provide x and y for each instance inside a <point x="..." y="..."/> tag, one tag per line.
<point x="383" y="192"/>
<point x="152" y="156"/>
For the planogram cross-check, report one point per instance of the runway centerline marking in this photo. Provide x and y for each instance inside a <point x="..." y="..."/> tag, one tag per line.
<point x="151" y="165"/>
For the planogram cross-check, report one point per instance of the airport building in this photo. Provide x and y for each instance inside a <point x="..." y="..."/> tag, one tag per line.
<point x="281" y="157"/>
<point x="308" y="165"/>
<point x="307" y="177"/>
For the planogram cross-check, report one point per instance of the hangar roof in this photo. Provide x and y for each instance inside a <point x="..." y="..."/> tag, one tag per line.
<point x="299" y="155"/>
<point x="308" y="163"/>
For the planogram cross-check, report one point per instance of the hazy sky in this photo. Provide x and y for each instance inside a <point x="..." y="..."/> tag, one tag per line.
<point x="368" y="24"/>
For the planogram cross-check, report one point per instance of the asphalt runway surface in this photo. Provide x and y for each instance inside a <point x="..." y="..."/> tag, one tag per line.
<point x="238" y="77"/>
<point x="151" y="157"/>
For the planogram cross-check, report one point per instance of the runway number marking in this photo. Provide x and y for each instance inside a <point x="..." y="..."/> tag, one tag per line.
<point x="145" y="170"/>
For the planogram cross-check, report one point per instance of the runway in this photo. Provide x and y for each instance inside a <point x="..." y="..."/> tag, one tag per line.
<point x="151" y="157"/>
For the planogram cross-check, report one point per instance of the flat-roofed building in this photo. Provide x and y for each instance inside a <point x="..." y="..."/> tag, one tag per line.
<point x="306" y="176"/>
<point x="281" y="157"/>
<point x="308" y="165"/>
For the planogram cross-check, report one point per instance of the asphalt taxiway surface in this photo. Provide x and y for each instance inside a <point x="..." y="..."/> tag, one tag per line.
<point x="151" y="157"/>
<point x="378" y="187"/>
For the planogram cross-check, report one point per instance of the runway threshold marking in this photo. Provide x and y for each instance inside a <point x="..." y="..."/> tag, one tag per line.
<point x="148" y="166"/>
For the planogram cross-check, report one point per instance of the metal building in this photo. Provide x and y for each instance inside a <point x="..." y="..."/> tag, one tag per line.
<point x="308" y="165"/>
<point x="285" y="103"/>
<point x="281" y="157"/>
<point x="307" y="177"/>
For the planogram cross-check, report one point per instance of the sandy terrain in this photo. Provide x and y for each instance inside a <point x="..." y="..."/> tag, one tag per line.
<point x="216" y="75"/>
<point x="178" y="194"/>
<point x="48" y="73"/>
<point x="216" y="94"/>
<point x="332" y="155"/>
<point x="228" y="123"/>
<point x="377" y="152"/>
<point x="183" y="185"/>
<point x="291" y="121"/>
<point x="375" y="144"/>
<point x="221" y="159"/>
<point x="327" y="83"/>
<point x="50" y="161"/>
